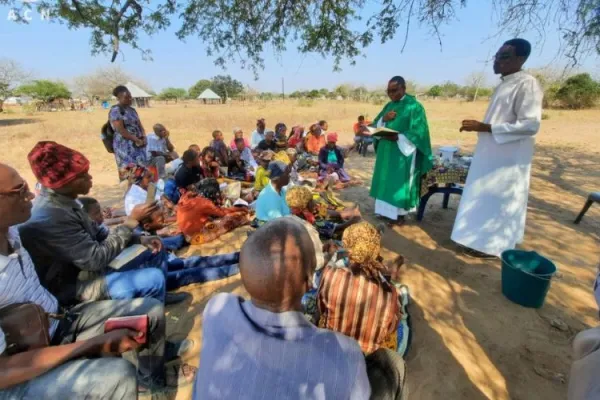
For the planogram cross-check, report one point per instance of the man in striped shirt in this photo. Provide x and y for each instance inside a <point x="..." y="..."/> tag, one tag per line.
<point x="265" y="348"/>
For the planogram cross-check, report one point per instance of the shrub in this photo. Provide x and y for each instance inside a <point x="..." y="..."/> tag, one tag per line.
<point x="306" y="102"/>
<point x="545" y="116"/>
<point x="579" y="91"/>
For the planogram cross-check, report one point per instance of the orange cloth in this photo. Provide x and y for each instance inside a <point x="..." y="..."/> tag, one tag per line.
<point x="194" y="212"/>
<point x="314" y="143"/>
<point x="358" y="124"/>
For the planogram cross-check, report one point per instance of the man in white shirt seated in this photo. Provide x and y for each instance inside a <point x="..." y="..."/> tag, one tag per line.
<point x="160" y="149"/>
<point x="66" y="369"/>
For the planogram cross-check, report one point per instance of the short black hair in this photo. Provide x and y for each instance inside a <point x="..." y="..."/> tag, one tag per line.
<point x="322" y="122"/>
<point x="399" y="80"/>
<point x="119" y="89"/>
<point x="239" y="140"/>
<point x="522" y="47"/>
<point x="189" y="155"/>
<point x="87" y="203"/>
<point x="361" y="117"/>
<point x="210" y="189"/>
<point x="215" y="133"/>
<point x="207" y="150"/>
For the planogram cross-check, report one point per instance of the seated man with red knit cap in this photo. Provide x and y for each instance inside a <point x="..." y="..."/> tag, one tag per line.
<point x="73" y="264"/>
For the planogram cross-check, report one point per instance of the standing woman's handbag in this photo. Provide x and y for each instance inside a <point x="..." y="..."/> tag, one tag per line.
<point x="25" y="326"/>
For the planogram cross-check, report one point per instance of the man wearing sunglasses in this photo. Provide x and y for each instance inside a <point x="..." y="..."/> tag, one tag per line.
<point x="491" y="214"/>
<point x="403" y="158"/>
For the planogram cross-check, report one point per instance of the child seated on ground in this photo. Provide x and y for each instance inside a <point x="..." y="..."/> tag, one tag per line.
<point x="246" y="155"/>
<point x="93" y="209"/>
<point x="174" y="165"/>
<point x="237" y="168"/>
<point x="375" y="302"/>
<point x="208" y="163"/>
<point x="140" y="179"/>
<point x="220" y="148"/>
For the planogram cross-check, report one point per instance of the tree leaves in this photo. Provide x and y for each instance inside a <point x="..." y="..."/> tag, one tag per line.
<point x="241" y="30"/>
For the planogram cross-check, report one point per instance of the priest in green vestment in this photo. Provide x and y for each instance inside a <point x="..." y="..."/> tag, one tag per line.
<point x="401" y="159"/>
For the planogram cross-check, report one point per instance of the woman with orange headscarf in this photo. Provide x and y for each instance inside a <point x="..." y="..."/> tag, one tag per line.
<point x="315" y="139"/>
<point x="331" y="160"/>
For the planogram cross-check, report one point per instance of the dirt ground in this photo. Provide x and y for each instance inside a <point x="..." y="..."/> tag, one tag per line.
<point x="469" y="341"/>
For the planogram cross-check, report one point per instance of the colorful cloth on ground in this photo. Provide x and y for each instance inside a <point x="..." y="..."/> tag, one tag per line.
<point x="55" y="165"/>
<point x="214" y="229"/>
<point x="126" y="152"/>
<point x="261" y="179"/>
<point x="271" y="205"/>
<point x="396" y="177"/>
<point x="194" y="212"/>
<point x="315" y="143"/>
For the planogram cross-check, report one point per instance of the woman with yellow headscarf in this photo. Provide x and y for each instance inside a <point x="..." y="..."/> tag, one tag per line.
<point x="356" y="298"/>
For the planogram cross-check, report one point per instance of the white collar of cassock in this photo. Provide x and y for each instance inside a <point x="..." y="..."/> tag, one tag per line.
<point x="511" y="77"/>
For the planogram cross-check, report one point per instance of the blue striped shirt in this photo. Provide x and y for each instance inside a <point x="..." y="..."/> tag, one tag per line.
<point x="251" y="353"/>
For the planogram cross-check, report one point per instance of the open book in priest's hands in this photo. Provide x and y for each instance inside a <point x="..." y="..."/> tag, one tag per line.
<point x="382" y="132"/>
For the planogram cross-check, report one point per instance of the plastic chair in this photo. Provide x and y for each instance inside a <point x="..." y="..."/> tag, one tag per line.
<point x="594" y="197"/>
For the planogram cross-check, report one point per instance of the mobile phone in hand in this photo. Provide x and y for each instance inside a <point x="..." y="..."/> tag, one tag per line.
<point x="136" y="323"/>
<point x="151" y="194"/>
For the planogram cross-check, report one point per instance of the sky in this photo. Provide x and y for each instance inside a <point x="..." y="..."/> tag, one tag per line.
<point x="52" y="51"/>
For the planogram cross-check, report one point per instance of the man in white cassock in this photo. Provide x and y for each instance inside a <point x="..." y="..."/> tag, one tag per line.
<point x="492" y="210"/>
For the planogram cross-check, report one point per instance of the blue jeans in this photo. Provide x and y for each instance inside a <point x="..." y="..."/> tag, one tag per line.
<point x="198" y="269"/>
<point x="150" y="275"/>
<point x="172" y="243"/>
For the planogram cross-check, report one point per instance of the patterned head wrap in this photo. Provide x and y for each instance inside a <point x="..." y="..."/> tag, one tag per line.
<point x="279" y="128"/>
<point x="363" y="242"/>
<point x="298" y="197"/>
<point x="55" y="165"/>
<point x="135" y="173"/>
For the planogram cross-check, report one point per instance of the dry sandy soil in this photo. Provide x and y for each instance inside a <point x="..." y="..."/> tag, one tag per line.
<point x="469" y="341"/>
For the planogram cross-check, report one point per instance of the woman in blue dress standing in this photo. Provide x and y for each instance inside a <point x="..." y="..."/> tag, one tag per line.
<point x="129" y="142"/>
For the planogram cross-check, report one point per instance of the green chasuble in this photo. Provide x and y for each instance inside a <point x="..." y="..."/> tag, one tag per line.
<point x="392" y="181"/>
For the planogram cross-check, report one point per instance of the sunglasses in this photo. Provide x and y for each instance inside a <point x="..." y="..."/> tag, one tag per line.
<point x="22" y="191"/>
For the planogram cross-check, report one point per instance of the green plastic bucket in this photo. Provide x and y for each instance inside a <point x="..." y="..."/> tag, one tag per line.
<point x="526" y="277"/>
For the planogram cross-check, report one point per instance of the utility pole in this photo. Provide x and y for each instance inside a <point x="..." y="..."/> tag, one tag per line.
<point x="282" y="89"/>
